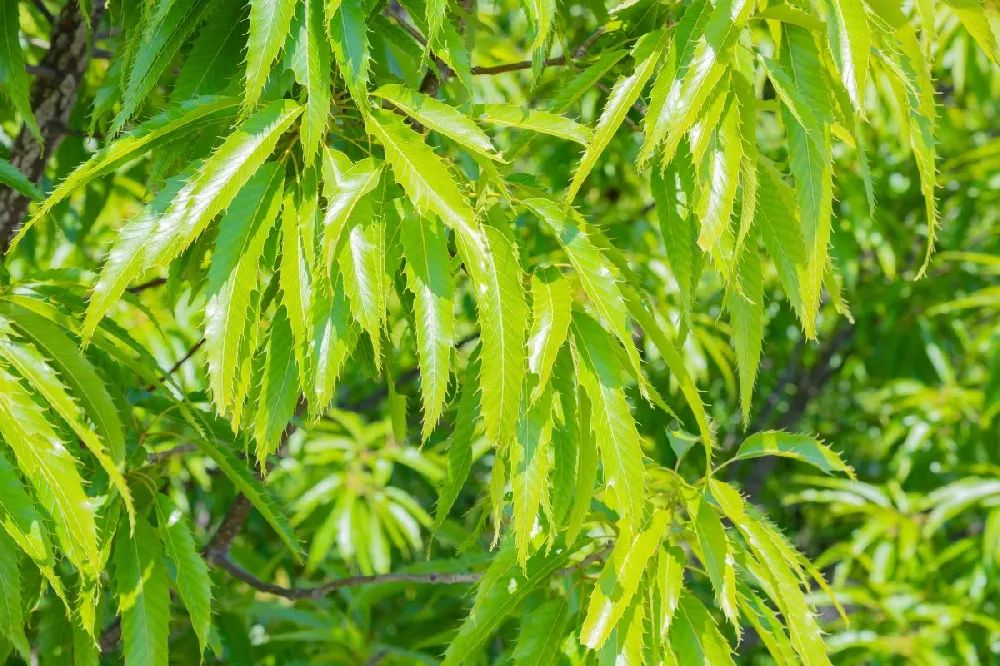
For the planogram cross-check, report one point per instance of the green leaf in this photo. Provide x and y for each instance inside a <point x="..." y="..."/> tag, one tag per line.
<point x="570" y="94"/>
<point x="344" y="189"/>
<point x="668" y="350"/>
<point x="720" y="171"/>
<point x="619" y="581"/>
<point x="551" y="310"/>
<point x="246" y="483"/>
<point x="792" y="16"/>
<point x="495" y="602"/>
<point x="215" y="57"/>
<point x="718" y="558"/>
<point x="543" y="122"/>
<point x="217" y="181"/>
<point x="279" y="391"/>
<point x="175" y="122"/>
<point x="232" y="280"/>
<point x="362" y="267"/>
<point x="166" y="28"/>
<point x="424" y="176"/>
<point x="951" y="499"/>
<point x="50" y="468"/>
<point x="20" y="518"/>
<point x="140" y="585"/>
<point x="618" y="440"/>
<point x="460" y="443"/>
<point x="333" y="340"/>
<point x="428" y="276"/>
<point x="530" y="469"/>
<point x="313" y="70"/>
<point x="696" y="638"/>
<point x="499" y="295"/>
<point x="14" y="179"/>
<point x="794" y="94"/>
<point x="75" y="371"/>
<point x="270" y="21"/>
<point x="746" y="314"/>
<point x="626" y="646"/>
<point x="294" y="277"/>
<point x="34" y="368"/>
<point x="586" y="473"/>
<point x="85" y="651"/>
<point x="850" y="42"/>
<point x="540" y="13"/>
<point x="973" y="15"/>
<point x="914" y="73"/>
<point x="809" y="161"/>
<point x="790" y="445"/>
<point x="125" y="261"/>
<point x="624" y="94"/>
<point x="11" y="614"/>
<point x="349" y="38"/>
<point x="746" y="99"/>
<point x="440" y="117"/>
<point x="25" y="525"/>
<point x="670" y="567"/>
<point x="543" y="630"/>
<point x="768" y="627"/>
<point x="190" y="570"/>
<point x="597" y="275"/>
<point x="437" y="11"/>
<point x="678" y="232"/>
<point x="684" y="85"/>
<point x="775" y="573"/>
<point x="12" y="66"/>
<point x="779" y="226"/>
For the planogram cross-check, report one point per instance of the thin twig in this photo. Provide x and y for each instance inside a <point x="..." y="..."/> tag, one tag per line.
<point x="224" y="562"/>
<point x="180" y="449"/>
<point x="319" y="591"/>
<point x="139" y="288"/>
<point x="380" y="394"/>
<point x="44" y="11"/>
<point x="176" y="366"/>
<point x="515" y="66"/>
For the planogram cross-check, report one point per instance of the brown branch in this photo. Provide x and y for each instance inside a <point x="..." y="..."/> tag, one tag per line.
<point x="218" y="548"/>
<point x="52" y="99"/>
<point x="139" y="288"/>
<point x="810" y="381"/>
<point x="321" y="590"/>
<point x="160" y="456"/>
<point x="380" y="394"/>
<point x="177" y="366"/>
<point x="515" y="66"/>
<point x="44" y="11"/>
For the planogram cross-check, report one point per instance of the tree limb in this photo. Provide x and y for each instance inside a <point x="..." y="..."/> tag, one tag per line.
<point x="321" y="590"/>
<point x="52" y="99"/>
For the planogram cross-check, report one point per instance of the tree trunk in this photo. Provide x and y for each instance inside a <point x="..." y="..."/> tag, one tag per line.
<point x="52" y="98"/>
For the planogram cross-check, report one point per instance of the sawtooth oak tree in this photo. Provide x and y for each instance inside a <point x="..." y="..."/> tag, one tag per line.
<point x="417" y="332"/>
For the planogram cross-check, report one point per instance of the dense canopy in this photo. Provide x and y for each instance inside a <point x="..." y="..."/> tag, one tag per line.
<point x="428" y="332"/>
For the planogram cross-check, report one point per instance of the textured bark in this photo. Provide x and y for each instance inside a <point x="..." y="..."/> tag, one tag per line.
<point x="52" y="98"/>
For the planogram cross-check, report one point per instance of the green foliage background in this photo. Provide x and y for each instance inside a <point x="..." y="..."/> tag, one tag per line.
<point x="366" y="332"/>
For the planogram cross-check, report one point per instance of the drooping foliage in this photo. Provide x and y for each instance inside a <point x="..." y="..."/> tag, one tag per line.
<point x="334" y="309"/>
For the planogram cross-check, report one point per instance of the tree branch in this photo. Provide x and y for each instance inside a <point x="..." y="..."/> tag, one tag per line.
<point x="809" y="381"/>
<point x="177" y="366"/>
<point x="321" y="590"/>
<point x="44" y="11"/>
<point x="52" y="99"/>
<point x="139" y="288"/>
